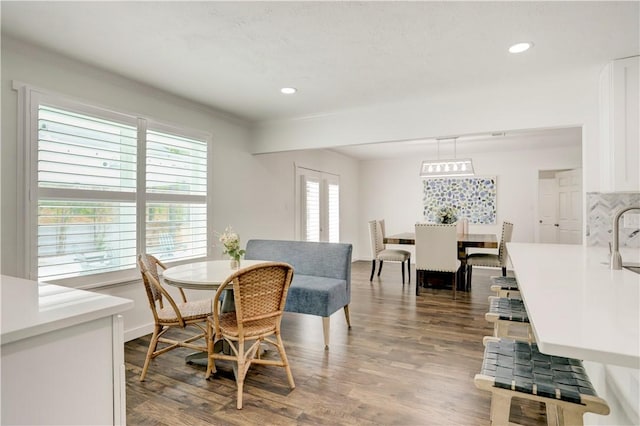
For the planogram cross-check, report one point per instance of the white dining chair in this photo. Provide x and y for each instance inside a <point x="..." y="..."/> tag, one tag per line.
<point x="436" y="251"/>
<point x="381" y="253"/>
<point x="491" y="260"/>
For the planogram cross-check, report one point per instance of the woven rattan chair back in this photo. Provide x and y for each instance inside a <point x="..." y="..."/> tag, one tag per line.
<point x="260" y="294"/>
<point x="148" y="265"/>
<point x="167" y="313"/>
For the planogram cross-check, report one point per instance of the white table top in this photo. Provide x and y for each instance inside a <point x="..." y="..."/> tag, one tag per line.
<point x="208" y="274"/>
<point x="30" y="309"/>
<point x="577" y="306"/>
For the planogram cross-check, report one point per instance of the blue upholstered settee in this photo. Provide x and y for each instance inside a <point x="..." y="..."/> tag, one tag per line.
<point x="322" y="275"/>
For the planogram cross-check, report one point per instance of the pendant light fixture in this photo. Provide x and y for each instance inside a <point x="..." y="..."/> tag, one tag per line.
<point x="447" y="168"/>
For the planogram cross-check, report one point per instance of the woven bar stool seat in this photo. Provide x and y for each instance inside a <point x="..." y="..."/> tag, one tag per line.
<point x="518" y="369"/>
<point x="509" y="318"/>
<point x="505" y="287"/>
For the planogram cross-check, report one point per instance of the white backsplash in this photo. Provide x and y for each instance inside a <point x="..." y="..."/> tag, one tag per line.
<point x="601" y="206"/>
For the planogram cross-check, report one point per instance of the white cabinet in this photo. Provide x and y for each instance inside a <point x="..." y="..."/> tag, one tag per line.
<point x="62" y="356"/>
<point x="619" y="125"/>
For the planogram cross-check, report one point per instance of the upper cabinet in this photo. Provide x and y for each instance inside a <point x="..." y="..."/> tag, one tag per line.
<point x="619" y="128"/>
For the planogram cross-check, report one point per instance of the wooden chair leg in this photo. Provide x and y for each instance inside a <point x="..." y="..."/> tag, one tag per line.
<point x="347" y="316"/>
<point x="455" y="284"/>
<point x="402" y="267"/>
<point x="325" y="331"/>
<point x="153" y="344"/>
<point x="418" y="281"/>
<point x="380" y="267"/>
<point x="500" y="408"/>
<point x="504" y="271"/>
<point x="373" y="269"/>
<point x="469" y="272"/>
<point x="409" y="270"/>
<point x="552" y="414"/>
<point x="285" y="360"/>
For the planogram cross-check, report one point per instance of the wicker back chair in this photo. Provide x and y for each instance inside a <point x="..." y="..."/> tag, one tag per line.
<point x="167" y="313"/>
<point x="260" y="293"/>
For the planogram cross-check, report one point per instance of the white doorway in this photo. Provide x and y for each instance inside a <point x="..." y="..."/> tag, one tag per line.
<point x="317" y="195"/>
<point x="560" y="206"/>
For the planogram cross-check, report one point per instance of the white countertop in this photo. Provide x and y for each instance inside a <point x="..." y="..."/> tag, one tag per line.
<point x="577" y="306"/>
<point x="29" y="309"/>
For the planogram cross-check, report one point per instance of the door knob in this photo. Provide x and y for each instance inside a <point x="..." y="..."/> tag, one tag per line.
<point x="556" y="225"/>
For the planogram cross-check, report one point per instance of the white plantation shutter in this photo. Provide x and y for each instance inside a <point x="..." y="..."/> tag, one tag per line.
<point x="319" y="205"/>
<point x="86" y="194"/>
<point x="333" y="206"/>
<point x="105" y="186"/>
<point x="176" y="185"/>
<point x="312" y="204"/>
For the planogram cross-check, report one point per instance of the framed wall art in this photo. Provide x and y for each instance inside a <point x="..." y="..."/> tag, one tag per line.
<point x="471" y="198"/>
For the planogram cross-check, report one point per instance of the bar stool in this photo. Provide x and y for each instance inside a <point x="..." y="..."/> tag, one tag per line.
<point x="518" y="369"/>
<point x="505" y="287"/>
<point x="509" y="318"/>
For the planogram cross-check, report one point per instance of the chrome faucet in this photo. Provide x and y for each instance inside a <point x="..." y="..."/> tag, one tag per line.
<point x="616" y="259"/>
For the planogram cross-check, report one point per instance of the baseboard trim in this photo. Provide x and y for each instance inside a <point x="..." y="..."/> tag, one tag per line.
<point x="134" y="333"/>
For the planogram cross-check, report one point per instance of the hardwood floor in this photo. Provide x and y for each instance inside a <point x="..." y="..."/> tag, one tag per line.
<point x="406" y="361"/>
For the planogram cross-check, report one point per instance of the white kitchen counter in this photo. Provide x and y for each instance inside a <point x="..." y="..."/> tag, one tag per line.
<point x="577" y="306"/>
<point x="29" y="309"/>
<point x="68" y="342"/>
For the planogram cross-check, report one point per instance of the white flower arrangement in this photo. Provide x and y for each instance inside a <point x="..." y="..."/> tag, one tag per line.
<point x="231" y="242"/>
<point x="446" y="215"/>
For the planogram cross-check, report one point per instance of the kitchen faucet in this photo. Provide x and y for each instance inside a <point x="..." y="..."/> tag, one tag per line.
<point x="616" y="259"/>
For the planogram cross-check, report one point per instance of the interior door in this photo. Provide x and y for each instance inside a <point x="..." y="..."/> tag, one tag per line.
<point x="548" y="210"/>
<point x="570" y="206"/>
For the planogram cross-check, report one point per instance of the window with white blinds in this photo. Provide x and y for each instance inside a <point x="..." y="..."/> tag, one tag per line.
<point x="108" y="186"/>
<point x="319" y="205"/>
<point x="333" y="207"/>
<point x="312" y="204"/>
<point x="176" y="186"/>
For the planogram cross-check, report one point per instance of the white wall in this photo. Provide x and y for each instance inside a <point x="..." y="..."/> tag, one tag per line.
<point x="549" y="101"/>
<point x="253" y="193"/>
<point x="392" y="190"/>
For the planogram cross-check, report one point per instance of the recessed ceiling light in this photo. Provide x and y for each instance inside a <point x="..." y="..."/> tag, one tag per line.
<point x="288" y="90"/>
<point x="520" y="47"/>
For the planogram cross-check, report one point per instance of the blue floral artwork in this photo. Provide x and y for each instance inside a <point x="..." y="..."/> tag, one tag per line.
<point x="472" y="198"/>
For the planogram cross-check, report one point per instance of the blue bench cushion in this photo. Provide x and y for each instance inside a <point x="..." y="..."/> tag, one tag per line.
<point x="316" y="295"/>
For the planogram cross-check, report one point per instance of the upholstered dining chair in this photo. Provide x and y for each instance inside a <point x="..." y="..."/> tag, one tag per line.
<point x="260" y="293"/>
<point x="436" y="251"/>
<point x="492" y="260"/>
<point x="167" y="313"/>
<point x="381" y="253"/>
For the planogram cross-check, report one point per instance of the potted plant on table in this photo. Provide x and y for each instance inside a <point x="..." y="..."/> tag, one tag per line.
<point x="231" y="243"/>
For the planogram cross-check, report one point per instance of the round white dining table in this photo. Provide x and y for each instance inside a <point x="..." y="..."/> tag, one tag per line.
<point x="203" y="275"/>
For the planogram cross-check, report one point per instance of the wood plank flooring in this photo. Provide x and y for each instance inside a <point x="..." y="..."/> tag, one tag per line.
<point x="406" y="361"/>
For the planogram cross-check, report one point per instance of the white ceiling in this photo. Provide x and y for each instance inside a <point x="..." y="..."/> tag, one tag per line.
<point x="235" y="56"/>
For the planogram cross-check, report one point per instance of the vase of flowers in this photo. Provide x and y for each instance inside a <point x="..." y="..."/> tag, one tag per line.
<point x="446" y="215"/>
<point x="231" y="243"/>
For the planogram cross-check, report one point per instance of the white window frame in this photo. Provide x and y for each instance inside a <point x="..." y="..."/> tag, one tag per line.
<point x="302" y="174"/>
<point x="29" y="98"/>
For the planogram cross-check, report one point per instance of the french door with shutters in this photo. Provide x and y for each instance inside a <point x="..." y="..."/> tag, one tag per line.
<point x="318" y="201"/>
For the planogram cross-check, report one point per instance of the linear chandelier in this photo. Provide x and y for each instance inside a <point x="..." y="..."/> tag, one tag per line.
<point x="447" y="168"/>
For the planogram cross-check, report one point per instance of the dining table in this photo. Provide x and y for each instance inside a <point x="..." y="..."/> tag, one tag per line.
<point x="465" y="241"/>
